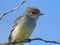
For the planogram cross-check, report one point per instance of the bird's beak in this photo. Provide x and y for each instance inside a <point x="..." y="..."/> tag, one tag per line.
<point x="41" y="14"/>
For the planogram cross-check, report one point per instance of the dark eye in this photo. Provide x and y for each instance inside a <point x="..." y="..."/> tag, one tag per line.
<point x="33" y="12"/>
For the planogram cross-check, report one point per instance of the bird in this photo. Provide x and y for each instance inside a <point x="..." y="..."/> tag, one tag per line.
<point x="24" y="25"/>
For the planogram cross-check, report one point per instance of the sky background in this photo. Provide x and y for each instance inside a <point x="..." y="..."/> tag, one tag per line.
<point x="48" y="26"/>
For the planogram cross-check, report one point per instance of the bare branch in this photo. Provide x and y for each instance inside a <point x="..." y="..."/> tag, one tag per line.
<point x="16" y="8"/>
<point x="29" y="40"/>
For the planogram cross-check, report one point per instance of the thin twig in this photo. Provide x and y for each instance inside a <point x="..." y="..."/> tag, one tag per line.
<point x="29" y="40"/>
<point x="16" y="8"/>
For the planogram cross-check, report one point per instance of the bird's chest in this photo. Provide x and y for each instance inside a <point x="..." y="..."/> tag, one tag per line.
<point x="27" y="25"/>
<point x="24" y="29"/>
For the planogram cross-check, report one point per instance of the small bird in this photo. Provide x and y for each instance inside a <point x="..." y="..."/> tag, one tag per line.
<point x="24" y="25"/>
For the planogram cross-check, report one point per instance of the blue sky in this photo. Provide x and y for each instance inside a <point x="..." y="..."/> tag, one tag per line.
<point x="48" y="26"/>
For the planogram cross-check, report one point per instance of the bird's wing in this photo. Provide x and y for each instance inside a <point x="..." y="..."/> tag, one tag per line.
<point x="14" y="26"/>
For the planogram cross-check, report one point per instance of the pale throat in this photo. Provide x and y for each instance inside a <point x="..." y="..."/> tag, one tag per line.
<point x="29" y="21"/>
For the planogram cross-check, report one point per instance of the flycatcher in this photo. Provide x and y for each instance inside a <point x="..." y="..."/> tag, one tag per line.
<point x="24" y="25"/>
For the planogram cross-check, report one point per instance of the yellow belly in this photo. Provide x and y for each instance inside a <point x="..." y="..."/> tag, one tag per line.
<point x="21" y="33"/>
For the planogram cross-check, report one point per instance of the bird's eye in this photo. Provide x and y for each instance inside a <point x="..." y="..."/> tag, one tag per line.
<point x="33" y="12"/>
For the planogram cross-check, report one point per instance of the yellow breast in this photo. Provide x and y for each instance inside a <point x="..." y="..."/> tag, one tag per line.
<point x="21" y="32"/>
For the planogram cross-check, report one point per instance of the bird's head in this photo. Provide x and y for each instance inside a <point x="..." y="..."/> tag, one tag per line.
<point x="33" y="12"/>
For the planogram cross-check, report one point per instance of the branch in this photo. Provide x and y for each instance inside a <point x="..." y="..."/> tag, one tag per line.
<point x="29" y="40"/>
<point x="16" y="8"/>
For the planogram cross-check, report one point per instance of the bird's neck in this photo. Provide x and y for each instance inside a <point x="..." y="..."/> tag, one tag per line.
<point x="29" y="18"/>
<point x="29" y="21"/>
